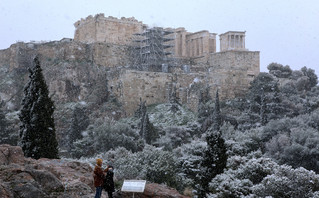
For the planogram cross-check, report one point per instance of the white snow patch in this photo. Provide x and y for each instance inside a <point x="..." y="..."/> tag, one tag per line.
<point x="83" y="102"/>
<point x="196" y="80"/>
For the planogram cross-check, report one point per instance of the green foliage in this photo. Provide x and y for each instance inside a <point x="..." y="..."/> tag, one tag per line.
<point x="204" y="104"/>
<point x="214" y="161"/>
<point x="103" y="136"/>
<point x="190" y="158"/>
<point x="80" y="121"/>
<point x="279" y="70"/>
<point x="4" y="132"/>
<point x="161" y="116"/>
<point x="141" y="110"/>
<point x="174" y="99"/>
<point x="294" y="142"/>
<point x="37" y="130"/>
<point x="175" y="137"/>
<point x="152" y="164"/>
<point x="217" y="114"/>
<point x="148" y="131"/>
<point x="255" y="176"/>
<point x="312" y="77"/>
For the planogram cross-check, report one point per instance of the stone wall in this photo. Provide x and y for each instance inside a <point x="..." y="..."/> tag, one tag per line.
<point x="232" y="71"/>
<point x="107" y="29"/>
<point x="73" y="71"/>
<point x="154" y="88"/>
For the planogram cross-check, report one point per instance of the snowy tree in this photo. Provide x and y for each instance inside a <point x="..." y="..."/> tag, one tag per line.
<point x="279" y="70"/>
<point x="214" y="160"/>
<point x="103" y="136"/>
<point x="37" y="130"/>
<point x="4" y="132"/>
<point x="101" y="90"/>
<point x="152" y="164"/>
<point x="148" y="131"/>
<point x="80" y="121"/>
<point x="263" y="118"/>
<point x="217" y="114"/>
<point x="204" y="104"/>
<point x="141" y="110"/>
<point x="190" y="160"/>
<point x="313" y="78"/>
<point x="173" y="99"/>
<point x="256" y="176"/>
<point x="214" y="157"/>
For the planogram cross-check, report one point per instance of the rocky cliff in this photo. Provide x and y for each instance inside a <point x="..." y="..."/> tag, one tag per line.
<point x="22" y="177"/>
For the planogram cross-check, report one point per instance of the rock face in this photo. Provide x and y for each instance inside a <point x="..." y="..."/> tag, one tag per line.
<point x="58" y="178"/>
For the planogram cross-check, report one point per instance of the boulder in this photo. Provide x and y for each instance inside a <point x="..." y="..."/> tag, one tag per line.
<point x="58" y="178"/>
<point x="11" y="154"/>
<point x="5" y="190"/>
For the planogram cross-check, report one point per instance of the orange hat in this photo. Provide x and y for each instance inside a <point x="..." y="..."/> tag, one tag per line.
<point x="99" y="161"/>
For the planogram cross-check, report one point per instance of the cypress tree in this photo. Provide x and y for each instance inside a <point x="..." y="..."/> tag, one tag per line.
<point x="37" y="130"/>
<point x="173" y="99"/>
<point x="214" y="157"/>
<point x="217" y="114"/>
<point x="263" y="107"/>
<point x="4" y="136"/>
<point x="80" y="121"/>
<point x="148" y="130"/>
<point x="141" y="110"/>
<point x="203" y="108"/>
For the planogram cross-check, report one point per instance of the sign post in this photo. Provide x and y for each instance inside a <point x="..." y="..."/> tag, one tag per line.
<point x="133" y="186"/>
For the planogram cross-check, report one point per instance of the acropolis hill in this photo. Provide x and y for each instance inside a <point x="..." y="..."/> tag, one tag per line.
<point x="138" y="62"/>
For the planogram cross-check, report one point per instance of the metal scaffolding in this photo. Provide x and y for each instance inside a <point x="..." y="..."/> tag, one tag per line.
<point x="153" y="48"/>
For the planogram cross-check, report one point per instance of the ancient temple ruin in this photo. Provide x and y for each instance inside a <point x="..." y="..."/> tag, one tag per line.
<point x="159" y="53"/>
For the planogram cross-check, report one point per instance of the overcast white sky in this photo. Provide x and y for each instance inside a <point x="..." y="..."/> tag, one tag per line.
<point x="284" y="31"/>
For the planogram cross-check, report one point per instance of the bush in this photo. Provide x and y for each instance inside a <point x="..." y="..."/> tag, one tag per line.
<point x="102" y="137"/>
<point x="261" y="177"/>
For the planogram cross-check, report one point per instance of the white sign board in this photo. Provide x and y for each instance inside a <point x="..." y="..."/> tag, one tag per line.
<point x="133" y="186"/>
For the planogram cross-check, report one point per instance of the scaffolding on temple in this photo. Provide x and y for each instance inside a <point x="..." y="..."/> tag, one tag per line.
<point x="153" y="49"/>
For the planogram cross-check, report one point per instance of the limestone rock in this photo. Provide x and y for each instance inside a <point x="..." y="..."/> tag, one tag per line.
<point x="11" y="154"/>
<point x="58" y="178"/>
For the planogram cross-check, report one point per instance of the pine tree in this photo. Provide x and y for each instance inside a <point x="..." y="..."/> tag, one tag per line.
<point x="37" y="130"/>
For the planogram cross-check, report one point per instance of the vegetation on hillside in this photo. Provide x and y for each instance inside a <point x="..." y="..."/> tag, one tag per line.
<point x="264" y="144"/>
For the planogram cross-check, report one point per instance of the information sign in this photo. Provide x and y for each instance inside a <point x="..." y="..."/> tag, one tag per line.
<point x="133" y="186"/>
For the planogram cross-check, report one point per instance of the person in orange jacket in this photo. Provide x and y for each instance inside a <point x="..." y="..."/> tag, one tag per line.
<point x="98" y="178"/>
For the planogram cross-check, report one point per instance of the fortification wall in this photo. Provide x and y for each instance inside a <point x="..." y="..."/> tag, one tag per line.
<point x="107" y="29"/>
<point x="233" y="71"/>
<point x="154" y="87"/>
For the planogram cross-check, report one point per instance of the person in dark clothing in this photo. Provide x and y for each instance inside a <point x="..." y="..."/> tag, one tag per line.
<point x="98" y="178"/>
<point x="108" y="181"/>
